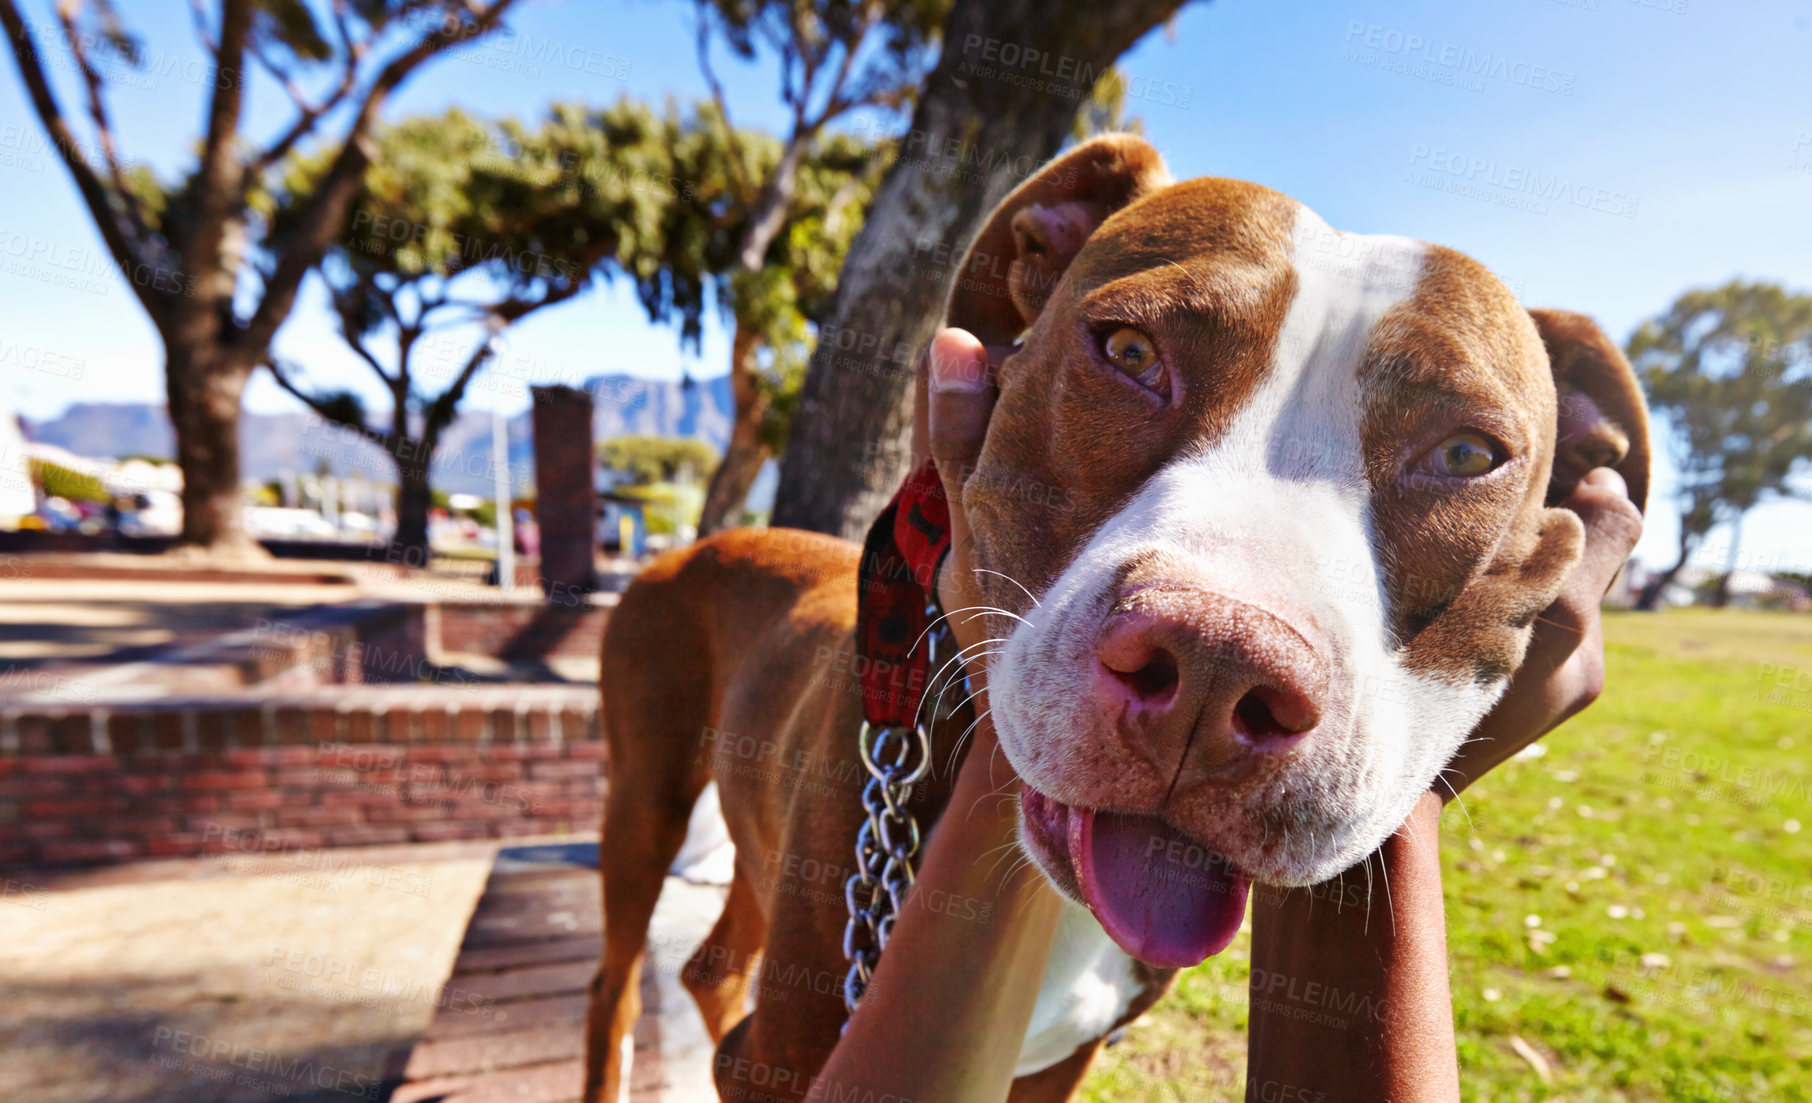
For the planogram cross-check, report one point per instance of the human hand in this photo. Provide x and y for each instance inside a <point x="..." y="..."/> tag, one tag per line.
<point x="1563" y="671"/>
<point x="950" y="421"/>
<point x="915" y="1035"/>
<point x="956" y="393"/>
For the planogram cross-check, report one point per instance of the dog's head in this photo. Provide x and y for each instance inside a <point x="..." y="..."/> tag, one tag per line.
<point x="1283" y="494"/>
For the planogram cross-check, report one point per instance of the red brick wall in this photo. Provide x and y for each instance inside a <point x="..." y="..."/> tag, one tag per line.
<point x="522" y="630"/>
<point x="354" y="766"/>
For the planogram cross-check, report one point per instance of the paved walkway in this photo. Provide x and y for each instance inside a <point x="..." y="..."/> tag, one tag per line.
<point x="295" y="977"/>
<point x="45" y="621"/>
<point x="511" y="1019"/>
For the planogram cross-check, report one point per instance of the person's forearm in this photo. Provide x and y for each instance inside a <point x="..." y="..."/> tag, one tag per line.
<point x="1351" y="1003"/>
<point x="946" y="1013"/>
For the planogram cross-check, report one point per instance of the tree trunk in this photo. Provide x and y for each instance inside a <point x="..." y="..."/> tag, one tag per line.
<point x="203" y="387"/>
<point x="413" y="500"/>
<point x="730" y="484"/>
<point x="981" y="126"/>
<point x="1720" y="597"/>
<point x="746" y="452"/>
<point x="1650" y="598"/>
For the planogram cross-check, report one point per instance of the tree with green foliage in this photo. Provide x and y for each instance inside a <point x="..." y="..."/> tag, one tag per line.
<point x="1001" y="100"/>
<point x="1730" y="370"/>
<point x="57" y="481"/>
<point x="1105" y="110"/>
<point x="774" y="308"/>
<point x="658" y="459"/>
<point x="463" y="227"/>
<point x="194" y="249"/>
<point x="797" y="200"/>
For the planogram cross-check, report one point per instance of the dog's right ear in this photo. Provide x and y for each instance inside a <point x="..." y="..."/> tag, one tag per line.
<point x="1015" y="262"/>
<point x="1603" y="421"/>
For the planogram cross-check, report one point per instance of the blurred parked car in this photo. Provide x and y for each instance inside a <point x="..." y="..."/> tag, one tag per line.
<point x="150" y="513"/>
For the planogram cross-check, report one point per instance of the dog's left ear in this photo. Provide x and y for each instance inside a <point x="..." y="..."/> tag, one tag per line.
<point x="1603" y="420"/>
<point x="1015" y="262"/>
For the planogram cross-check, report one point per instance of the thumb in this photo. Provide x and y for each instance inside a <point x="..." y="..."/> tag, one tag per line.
<point x="1612" y="527"/>
<point x="960" y="399"/>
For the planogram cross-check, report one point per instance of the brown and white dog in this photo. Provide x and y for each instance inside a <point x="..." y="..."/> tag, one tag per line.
<point x="1274" y="507"/>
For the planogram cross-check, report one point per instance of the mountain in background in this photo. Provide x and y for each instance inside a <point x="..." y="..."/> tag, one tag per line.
<point x="271" y="444"/>
<point x="108" y="429"/>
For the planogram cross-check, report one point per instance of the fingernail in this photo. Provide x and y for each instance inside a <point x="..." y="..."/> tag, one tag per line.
<point x="957" y="370"/>
<point x="1604" y="478"/>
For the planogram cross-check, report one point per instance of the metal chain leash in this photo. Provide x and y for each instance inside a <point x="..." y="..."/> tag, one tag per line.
<point x="896" y="757"/>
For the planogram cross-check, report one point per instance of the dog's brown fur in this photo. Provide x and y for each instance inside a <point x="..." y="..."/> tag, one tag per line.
<point x="750" y="634"/>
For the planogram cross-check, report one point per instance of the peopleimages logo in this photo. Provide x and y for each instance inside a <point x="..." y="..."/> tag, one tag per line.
<point x="36" y="358"/>
<point x="1059" y="74"/>
<point x="1461" y="61"/>
<point x="1532" y="187"/>
<point x="1802" y="152"/>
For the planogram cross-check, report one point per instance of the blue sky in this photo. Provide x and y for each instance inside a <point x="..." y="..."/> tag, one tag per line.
<point x="1685" y="126"/>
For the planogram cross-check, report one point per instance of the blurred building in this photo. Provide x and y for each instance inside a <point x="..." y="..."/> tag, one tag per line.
<point x="17" y="500"/>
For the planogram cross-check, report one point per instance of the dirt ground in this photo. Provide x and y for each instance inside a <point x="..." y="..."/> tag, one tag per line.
<point x="216" y="981"/>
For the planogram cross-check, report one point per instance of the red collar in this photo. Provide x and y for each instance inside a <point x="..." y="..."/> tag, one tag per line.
<point x="895" y="599"/>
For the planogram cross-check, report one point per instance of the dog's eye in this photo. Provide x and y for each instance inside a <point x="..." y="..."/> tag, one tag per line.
<point x="1133" y="353"/>
<point x="1464" y="455"/>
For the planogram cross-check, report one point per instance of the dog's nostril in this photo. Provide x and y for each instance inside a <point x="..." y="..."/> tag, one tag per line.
<point x="1265" y="714"/>
<point x="1253" y="718"/>
<point x="1152" y="682"/>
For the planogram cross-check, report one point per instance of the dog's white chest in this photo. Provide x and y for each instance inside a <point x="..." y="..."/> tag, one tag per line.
<point x="1088" y="985"/>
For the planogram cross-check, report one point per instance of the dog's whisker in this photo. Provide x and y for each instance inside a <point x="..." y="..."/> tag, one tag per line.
<point x="1023" y="904"/>
<point x="946" y="616"/>
<point x="945" y="688"/>
<point x="971" y="728"/>
<point x="974" y="722"/>
<point x="1035" y="602"/>
<point x="1464" y="811"/>
<point x="959" y="658"/>
<point x="990" y="611"/>
<point x="1001" y="791"/>
<point x="980" y="643"/>
<point x="919" y="715"/>
<point x="1384" y="872"/>
<point x="1019" y="862"/>
<point x="992" y="757"/>
<point x="963" y="652"/>
<point x="1431" y="849"/>
<point x="972" y="696"/>
<point x="950" y="763"/>
<point x="964" y="738"/>
<point x="1000" y="854"/>
<point x="956" y="748"/>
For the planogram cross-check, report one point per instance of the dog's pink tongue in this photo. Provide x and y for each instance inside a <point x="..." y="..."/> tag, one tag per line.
<point x="1156" y="893"/>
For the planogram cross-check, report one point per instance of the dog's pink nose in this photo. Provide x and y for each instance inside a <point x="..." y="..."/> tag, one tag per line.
<point x="1188" y="671"/>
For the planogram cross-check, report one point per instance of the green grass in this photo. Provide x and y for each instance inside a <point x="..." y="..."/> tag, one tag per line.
<point x="1635" y="904"/>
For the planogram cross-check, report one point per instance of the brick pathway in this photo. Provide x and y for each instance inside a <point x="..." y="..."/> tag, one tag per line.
<point x="511" y="1019"/>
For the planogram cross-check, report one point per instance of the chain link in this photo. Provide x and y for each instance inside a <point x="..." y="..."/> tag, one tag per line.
<point x="896" y="757"/>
